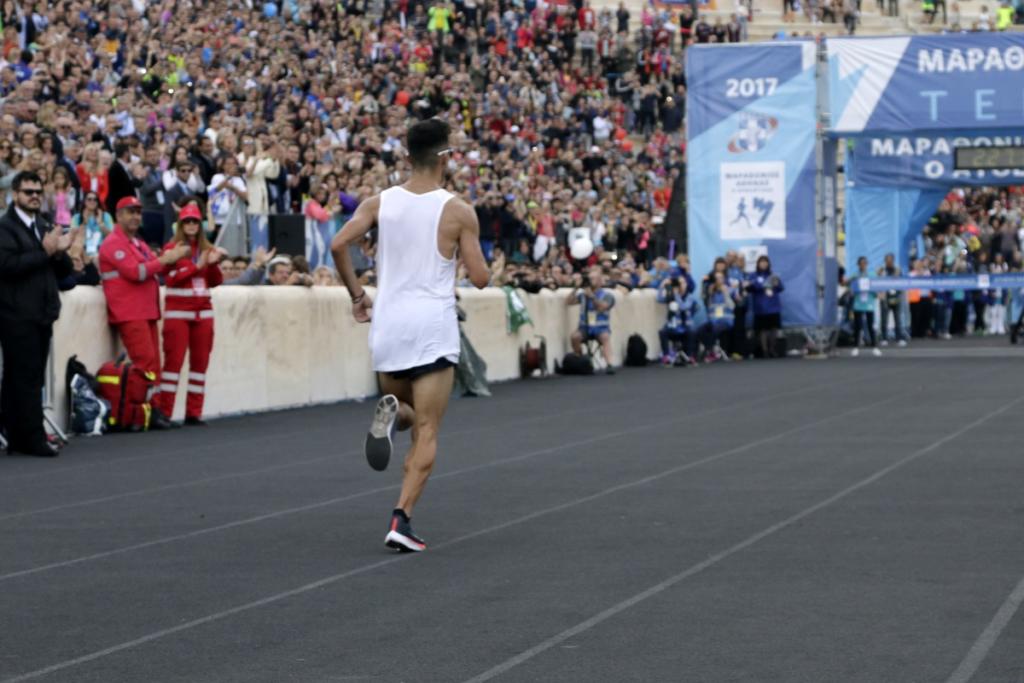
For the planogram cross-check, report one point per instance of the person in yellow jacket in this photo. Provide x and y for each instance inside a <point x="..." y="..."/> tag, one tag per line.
<point x="1004" y="16"/>
<point x="928" y="8"/>
<point x="439" y="17"/>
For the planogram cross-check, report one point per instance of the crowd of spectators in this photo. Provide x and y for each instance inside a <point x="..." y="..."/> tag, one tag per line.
<point x="974" y="231"/>
<point x="563" y="116"/>
<point x="1006" y="14"/>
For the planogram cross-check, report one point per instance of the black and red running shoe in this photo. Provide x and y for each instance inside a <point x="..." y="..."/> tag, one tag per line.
<point x="401" y="537"/>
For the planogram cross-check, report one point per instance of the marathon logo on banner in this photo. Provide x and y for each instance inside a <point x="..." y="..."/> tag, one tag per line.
<point x="939" y="283"/>
<point x="753" y="201"/>
<point x="961" y="82"/>
<point x="926" y="162"/>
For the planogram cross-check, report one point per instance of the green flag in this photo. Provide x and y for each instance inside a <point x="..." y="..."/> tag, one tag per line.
<point x="516" y="315"/>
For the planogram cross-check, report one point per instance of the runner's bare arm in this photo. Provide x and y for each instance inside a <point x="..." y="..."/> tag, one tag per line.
<point x="469" y="245"/>
<point x="354" y="230"/>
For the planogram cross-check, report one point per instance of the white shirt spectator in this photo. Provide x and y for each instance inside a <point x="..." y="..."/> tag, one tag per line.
<point x="222" y="201"/>
<point x="338" y="138"/>
<point x="194" y="186"/>
<point x="257" y="172"/>
<point x="127" y="124"/>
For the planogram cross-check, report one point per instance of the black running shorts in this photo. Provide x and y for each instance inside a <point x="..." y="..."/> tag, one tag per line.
<point x="415" y="373"/>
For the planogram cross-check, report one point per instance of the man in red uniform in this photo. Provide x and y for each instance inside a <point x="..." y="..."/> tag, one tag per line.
<point x="129" y="271"/>
<point x="188" y="318"/>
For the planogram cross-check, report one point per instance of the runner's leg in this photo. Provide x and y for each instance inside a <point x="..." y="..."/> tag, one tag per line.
<point x="402" y="390"/>
<point x="430" y="395"/>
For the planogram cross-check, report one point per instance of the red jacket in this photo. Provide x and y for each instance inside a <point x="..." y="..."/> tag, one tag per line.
<point x="129" y="271"/>
<point x="188" y="287"/>
<point x="102" y="183"/>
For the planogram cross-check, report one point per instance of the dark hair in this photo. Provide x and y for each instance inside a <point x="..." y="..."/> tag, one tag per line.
<point x="766" y="260"/>
<point x="425" y="140"/>
<point x="59" y="168"/>
<point x="25" y="177"/>
<point x="189" y="198"/>
<point x="121" y="148"/>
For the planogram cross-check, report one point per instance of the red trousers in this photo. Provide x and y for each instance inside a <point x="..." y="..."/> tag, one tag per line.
<point x="194" y="335"/>
<point x="142" y="342"/>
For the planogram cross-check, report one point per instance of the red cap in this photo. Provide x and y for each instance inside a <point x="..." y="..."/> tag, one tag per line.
<point x="128" y="203"/>
<point x="190" y="211"/>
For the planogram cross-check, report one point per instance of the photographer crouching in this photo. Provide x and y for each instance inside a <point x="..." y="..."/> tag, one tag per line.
<point x="595" y="304"/>
<point x="681" y="323"/>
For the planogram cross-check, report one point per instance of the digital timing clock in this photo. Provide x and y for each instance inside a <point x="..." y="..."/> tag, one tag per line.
<point x="985" y="158"/>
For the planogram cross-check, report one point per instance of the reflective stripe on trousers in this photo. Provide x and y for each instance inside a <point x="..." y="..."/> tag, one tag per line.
<point x="189" y="315"/>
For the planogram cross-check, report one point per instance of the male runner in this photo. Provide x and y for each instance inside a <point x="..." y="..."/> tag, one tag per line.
<point x="414" y="335"/>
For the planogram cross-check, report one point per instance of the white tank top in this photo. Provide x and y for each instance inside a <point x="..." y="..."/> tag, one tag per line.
<point x="414" y="320"/>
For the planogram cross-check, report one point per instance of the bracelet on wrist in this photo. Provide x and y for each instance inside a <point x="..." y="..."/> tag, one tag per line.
<point x="357" y="299"/>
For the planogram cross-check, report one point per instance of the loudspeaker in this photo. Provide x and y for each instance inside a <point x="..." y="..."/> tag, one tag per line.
<point x="288" y="233"/>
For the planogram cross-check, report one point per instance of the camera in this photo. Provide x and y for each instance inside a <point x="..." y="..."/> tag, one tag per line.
<point x="585" y="281"/>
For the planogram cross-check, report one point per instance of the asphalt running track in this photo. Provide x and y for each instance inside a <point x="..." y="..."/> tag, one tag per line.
<point x="843" y="520"/>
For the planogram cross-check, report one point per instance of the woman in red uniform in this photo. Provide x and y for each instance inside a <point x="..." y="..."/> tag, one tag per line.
<point x="188" y="316"/>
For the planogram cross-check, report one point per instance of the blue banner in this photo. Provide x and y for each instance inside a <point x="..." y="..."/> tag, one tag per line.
<point x="926" y="161"/>
<point x="318" y="242"/>
<point x="259" y="232"/>
<point x="904" y="84"/>
<point x="750" y="181"/>
<point x="939" y="283"/>
<point x="883" y="220"/>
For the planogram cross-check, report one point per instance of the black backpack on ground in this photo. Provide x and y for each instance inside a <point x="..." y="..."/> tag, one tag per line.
<point x="636" y="351"/>
<point x="574" y="364"/>
<point x="87" y="412"/>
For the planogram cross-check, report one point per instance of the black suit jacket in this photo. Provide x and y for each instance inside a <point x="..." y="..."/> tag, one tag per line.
<point x="28" y="277"/>
<point x="121" y="185"/>
<point x="172" y="196"/>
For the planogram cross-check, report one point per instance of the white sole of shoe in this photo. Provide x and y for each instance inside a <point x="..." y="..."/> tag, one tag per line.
<point x="403" y="543"/>
<point x="378" y="440"/>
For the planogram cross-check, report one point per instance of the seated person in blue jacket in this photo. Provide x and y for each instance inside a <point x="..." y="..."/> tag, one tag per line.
<point x="595" y="307"/>
<point x="764" y="288"/>
<point x="681" y="270"/>
<point x="685" y="316"/>
<point x="721" y="307"/>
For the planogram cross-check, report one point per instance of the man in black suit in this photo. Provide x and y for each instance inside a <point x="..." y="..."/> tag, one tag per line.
<point x="121" y="178"/>
<point x="174" y="197"/>
<point x="33" y="257"/>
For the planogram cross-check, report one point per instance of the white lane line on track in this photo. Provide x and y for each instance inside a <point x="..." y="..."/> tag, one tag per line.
<point x="391" y="487"/>
<point x="987" y="640"/>
<point x="597" y="619"/>
<point x="282" y="466"/>
<point x="191" y="448"/>
<point x="263" y="470"/>
<point x="270" y="599"/>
